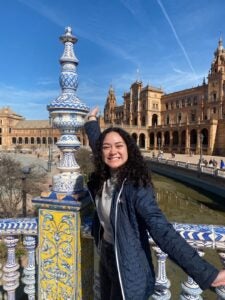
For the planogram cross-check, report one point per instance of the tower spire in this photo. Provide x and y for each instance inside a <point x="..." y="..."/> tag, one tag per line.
<point x="220" y="44"/>
<point x="138" y="75"/>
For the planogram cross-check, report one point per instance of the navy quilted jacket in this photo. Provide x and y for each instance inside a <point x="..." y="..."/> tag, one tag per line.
<point x="134" y="213"/>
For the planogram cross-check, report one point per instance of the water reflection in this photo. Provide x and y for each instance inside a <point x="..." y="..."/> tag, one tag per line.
<point x="182" y="203"/>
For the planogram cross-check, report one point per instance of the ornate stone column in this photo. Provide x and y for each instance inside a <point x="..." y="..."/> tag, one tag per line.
<point x="65" y="258"/>
<point x="162" y="285"/>
<point x="187" y="141"/>
<point x="10" y="270"/>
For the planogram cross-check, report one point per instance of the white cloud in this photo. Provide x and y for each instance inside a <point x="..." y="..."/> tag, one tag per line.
<point x="180" y="80"/>
<point x="29" y="103"/>
<point x="176" y="36"/>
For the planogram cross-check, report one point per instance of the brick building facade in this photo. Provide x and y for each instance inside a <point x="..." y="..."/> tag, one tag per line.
<point x="17" y="133"/>
<point x="184" y="121"/>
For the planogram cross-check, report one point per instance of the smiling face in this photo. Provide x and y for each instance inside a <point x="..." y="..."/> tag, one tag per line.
<point x="114" y="150"/>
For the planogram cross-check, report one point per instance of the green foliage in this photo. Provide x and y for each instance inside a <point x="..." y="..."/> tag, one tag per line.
<point x="3" y="250"/>
<point x="20" y="250"/>
<point x="84" y="160"/>
<point x="14" y="184"/>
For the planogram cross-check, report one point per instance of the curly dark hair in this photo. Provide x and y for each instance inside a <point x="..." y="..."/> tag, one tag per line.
<point x="134" y="170"/>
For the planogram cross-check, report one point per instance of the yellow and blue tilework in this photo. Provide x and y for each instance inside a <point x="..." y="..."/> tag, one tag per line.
<point x="59" y="255"/>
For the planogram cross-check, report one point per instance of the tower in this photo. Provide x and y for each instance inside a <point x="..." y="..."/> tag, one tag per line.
<point x="216" y="83"/>
<point x="109" y="109"/>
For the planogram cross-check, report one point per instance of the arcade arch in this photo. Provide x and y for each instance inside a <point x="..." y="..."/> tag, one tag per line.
<point x="142" y="140"/>
<point x="175" y="138"/>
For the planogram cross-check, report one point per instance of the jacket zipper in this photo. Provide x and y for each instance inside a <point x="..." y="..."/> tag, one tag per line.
<point x="116" y="250"/>
<point x="99" y="231"/>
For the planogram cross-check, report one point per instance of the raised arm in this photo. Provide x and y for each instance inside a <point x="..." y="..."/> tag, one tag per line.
<point x="92" y="128"/>
<point x="170" y="241"/>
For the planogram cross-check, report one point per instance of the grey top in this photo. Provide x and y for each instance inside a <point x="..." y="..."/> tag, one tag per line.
<point x="103" y="204"/>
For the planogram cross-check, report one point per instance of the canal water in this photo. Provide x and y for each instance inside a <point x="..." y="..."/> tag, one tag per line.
<point x="185" y="204"/>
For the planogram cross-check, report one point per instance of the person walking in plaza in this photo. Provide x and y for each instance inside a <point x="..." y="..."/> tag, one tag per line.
<point x="126" y="212"/>
<point x="222" y="164"/>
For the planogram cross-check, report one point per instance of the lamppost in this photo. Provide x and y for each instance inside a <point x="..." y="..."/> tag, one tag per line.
<point x="159" y="143"/>
<point x="25" y="171"/>
<point x="50" y="142"/>
<point x="201" y="141"/>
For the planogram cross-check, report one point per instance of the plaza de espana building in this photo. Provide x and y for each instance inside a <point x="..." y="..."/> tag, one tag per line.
<point x="190" y="120"/>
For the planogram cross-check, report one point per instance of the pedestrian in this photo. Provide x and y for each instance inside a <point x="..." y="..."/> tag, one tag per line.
<point x="173" y="154"/>
<point x="126" y="211"/>
<point x="222" y="164"/>
<point x="215" y="163"/>
<point x="211" y="163"/>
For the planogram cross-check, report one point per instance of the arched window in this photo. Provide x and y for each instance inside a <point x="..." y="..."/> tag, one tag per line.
<point x="167" y="138"/>
<point x="167" y="120"/>
<point x="154" y="120"/>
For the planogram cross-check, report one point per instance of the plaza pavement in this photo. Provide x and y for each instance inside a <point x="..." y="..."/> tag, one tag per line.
<point x="27" y="160"/>
<point x="187" y="158"/>
<point x="32" y="159"/>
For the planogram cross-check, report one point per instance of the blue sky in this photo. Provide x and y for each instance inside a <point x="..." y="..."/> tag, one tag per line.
<point x="165" y="43"/>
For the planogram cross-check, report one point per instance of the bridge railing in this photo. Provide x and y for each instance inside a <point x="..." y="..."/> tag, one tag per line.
<point x="12" y="273"/>
<point x="213" y="171"/>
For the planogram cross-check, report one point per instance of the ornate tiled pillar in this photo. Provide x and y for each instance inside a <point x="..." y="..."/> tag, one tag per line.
<point x="65" y="267"/>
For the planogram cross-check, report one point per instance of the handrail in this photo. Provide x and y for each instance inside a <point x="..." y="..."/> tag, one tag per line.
<point x="17" y="226"/>
<point x="213" y="171"/>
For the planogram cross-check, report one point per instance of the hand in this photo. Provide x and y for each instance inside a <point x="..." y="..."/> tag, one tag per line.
<point x="92" y="115"/>
<point x="220" y="279"/>
<point x="94" y="112"/>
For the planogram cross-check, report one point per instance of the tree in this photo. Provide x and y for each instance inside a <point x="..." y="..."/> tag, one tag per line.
<point x="12" y="185"/>
<point x="84" y="160"/>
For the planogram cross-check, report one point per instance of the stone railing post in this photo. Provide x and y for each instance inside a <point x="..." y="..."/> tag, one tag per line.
<point x="65" y="264"/>
<point x="162" y="285"/>
<point x="190" y="289"/>
<point x="10" y="270"/>
<point x="221" y="290"/>
<point x="29" y="271"/>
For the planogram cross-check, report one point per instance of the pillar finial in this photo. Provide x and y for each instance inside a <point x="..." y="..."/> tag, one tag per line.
<point x="67" y="113"/>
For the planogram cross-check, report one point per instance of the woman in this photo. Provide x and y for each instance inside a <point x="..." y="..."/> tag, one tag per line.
<point x="126" y="210"/>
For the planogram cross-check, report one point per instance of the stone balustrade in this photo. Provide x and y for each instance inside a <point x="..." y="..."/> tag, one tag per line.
<point x="202" y="169"/>
<point x="12" y="230"/>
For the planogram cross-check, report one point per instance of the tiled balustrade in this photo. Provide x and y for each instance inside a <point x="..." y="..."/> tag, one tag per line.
<point x="199" y="236"/>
